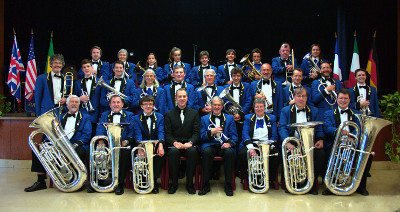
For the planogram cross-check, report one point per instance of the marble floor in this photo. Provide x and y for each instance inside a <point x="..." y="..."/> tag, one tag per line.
<point x="384" y="188"/>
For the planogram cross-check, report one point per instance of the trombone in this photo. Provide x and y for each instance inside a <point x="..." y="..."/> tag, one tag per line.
<point x="67" y="89"/>
<point x="286" y="83"/>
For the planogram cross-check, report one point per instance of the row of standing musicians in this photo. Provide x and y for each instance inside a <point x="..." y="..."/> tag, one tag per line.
<point x="266" y="88"/>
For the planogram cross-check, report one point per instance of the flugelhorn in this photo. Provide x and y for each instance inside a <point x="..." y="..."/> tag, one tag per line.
<point x="57" y="156"/>
<point x="106" y="86"/>
<point x="350" y="154"/>
<point x="258" y="167"/>
<point x="298" y="163"/>
<point x="203" y="88"/>
<point x="142" y="167"/>
<point x="104" y="158"/>
<point x="253" y="72"/>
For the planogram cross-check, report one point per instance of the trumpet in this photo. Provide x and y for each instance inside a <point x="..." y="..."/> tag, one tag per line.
<point x="218" y="136"/>
<point x="333" y="95"/>
<point x="142" y="168"/>
<point x="258" y="166"/>
<point x="57" y="156"/>
<point x="86" y="105"/>
<point x="299" y="165"/>
<point x="350" y="154"/>
<point x="260" y="92"/>
<point x="203" y="88"/>
<point x="365" y="110"/>
<point x="253" y="72"/>
<point x="104" y="158"/>
<point x="106" y="86"/>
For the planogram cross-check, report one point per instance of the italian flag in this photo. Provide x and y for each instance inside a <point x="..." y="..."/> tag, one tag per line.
<point x="355" y="64"/>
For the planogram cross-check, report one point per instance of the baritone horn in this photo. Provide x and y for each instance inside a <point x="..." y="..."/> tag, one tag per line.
<point x="104" y="158"/>
<point x="142" y="167"/>
<point x="350" y="154"/>
<point x="253" y="72"/>
<point x="57" y="156"/>
<point x="258" y="167"/>
<point x="298" y="163"/>
<point x="232" y="107"/>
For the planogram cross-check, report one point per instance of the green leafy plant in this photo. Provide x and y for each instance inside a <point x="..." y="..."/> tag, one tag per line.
<point x="5" y="106"/>
<point x="390" y="107"/>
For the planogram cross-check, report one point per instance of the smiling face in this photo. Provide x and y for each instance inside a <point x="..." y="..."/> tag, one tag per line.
<point x="326" y="70"/>
<point x="179" y="74"/>
<point x="56" y="66"/>
<point x="231" y="57"/>
<point x="210" y="77"/>
<point x="147" y="107"/>
<point x="266" y="71"/>
<point x="315" y="51"/>
<point x="284" y="51"/>
<point x="361" y="76"/>
<point x="343" y="100"/>
<point x="300" y="99"/>
<point x="122" y="56"/>
<point x="149" y="78"/>
<point x="87" y="69"/>
<point x="95" y="54"/>
<point x="116" y="104"/>
<point x="259" y="109"/>
<point x="181" y="98"/>
<point x="297" y="77"/>
<point x="216" y="106"/>
<point x="118" y="70"/>
<point x="73" y="105"/>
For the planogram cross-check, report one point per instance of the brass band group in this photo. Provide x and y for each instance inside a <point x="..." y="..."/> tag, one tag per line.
<point x="115" y="118"/>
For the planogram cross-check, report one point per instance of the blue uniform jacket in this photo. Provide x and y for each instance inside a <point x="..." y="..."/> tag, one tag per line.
<point x="223" y="73"/>
<point x="83" y="130"/>
<point x="277" y="97"/>
<point x="372" y="96"/>
<point x="169" y="91"/>
<point x="158" y="94"/>
<point x="44" y="96"/>
<point x="227" y="123"/>
<point x="248" y="128"/>
<point x="103" y="69"/>
<point x="127" y="88"/>
<point x="142" y="132"/>
<point x="201" y="96"/>
<point x="168" y="68"/>
<point x="196" y="76"/>
<point x="245" y="96"/>
<point x="94" y="98"/>
<point x="129" y="69"/>
<point x="127" y="117"/>
<point x="288" y="95"/>
<point x="279" y="71"/>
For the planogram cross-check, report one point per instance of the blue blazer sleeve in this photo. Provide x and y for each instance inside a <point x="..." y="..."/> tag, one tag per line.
<point x="274" y="128"/>
<point x="246" y="130"/>
<point x="330" y="125"/>
<point x="137" y="126"/>
<point x="160" y="127"/>
<point x="246" y="102"/>
<point x="284" y="120"/>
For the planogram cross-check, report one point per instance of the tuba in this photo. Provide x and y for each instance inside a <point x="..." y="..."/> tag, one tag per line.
<point x="104" y="158"/>
<point x="258" y="167"/>
<point x="142" y="168"/>
<point x="350" y="154"/>
<point x="253" y="72"/>
<point x="57" y="156"/>
<point x="299" y="165"/>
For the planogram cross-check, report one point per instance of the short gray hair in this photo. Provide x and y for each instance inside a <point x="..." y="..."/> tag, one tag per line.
<point x="259" y="100"/>
<point x="205" y="71"/>
<point x="217" y="98"/>
<point x="123" y="51"/>
<point x="72" y="96"/>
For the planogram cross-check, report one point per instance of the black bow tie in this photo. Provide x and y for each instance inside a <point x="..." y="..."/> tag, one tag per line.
<point x="178" y="83"/>
<point x="71" y="115"/>
<point x="116" y="114"/>
<point x="59" y="76"/>
<point x="295" y="87"/>
<point x="219" y="116"/>
<point x="345" y="111"/>
<point x="329" y="80"/>
<point x="363" y="86"/>
<point x="231" y="65"/>
<point x="205" y="67"/>
<point x="89" y="78"/>
<point x="145" y="117"/>
<point x="233" y="88"/>
<point x="116" y="79"/>
<point x="152" y="67"/>
<point x="265" y="82"/>
<point x="210" y="86"/>
<point x="93" y="62"/>
<point x="302" y="110"/>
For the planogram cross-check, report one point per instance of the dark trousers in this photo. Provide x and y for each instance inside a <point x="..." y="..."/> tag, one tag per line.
<point x="125" y="164"/>
<point x="319" y="162"/>
<point x="191" y="154"/>
<point x="208" y="156"/>
<point x="273" y="161"/>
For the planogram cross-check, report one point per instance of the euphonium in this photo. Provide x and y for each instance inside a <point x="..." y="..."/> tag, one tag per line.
<point x="104" y="85"/>
<point x="142" y="168"/>
<point x="258" y="167"/>
<point x="299" y="165"/>
<point x="104" y="158"/>
<point x="234" y="107"/>
<point x="57" y="156"/>
<point x="253" y="72"/>
<point x="350" y="154"/>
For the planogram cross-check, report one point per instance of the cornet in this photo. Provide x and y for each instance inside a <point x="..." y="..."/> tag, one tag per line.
<point x="87" y="105"/>
<point x="142" y="168"/>
<point x="218" y="136"/>
<point x="260" y="92"/>
<point x="365" y="110"/>
<point x="203" y="88"/>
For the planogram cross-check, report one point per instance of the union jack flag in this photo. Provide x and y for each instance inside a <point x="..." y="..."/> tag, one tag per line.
<point x="31" y="73"/>
<point x="13" y="74"/>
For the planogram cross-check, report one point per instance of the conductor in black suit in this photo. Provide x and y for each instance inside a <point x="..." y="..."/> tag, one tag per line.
<point x="182" y="133"/>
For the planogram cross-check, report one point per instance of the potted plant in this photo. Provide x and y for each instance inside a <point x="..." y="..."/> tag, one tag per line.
<point x="5" y="106"/>
<point x="390" y="108"/>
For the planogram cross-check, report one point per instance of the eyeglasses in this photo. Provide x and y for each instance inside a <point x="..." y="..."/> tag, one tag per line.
<point x="148" y="104"/>
<point x="343" y="98"/>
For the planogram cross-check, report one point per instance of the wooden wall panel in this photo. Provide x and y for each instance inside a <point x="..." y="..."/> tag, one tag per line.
<point x="5" y="145"/>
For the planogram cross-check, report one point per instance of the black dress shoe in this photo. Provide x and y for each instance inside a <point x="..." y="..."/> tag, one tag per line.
<point x="204" y="190"/>
<point x="190" y="189"/>
<point x="155" y="189"/>
<point x="90" y="190"/>
<point x="119" y="190"/>
<point x="368" y="174"/>
<point x="287" y="191"/>
<point x="363" y="191"/>
<point x="172" y="189"/>
<point x="36" y="187"/>
<point x="313" y="192"/>
<point x="181" y="174"/>
<point x="327" y="192"/>
<point x="228" y="190"/>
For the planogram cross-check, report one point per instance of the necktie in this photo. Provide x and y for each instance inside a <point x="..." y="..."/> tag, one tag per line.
<point x="345" y="111"/>
<point x="71" y="115"/>
<point x="260" y="123"/>
<point x="182" y="116"/>
<point x="149" y="91"/>
<point x="265" y="82"/>
<point x="315" y="61"/>
<point x="302" y="110"/>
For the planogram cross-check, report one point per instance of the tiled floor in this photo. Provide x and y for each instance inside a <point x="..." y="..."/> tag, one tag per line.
<point x="384" y="188"/>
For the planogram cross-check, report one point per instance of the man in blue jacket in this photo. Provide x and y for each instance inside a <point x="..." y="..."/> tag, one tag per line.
<point x="363" y="95"/>
<point x="283" y="65"/>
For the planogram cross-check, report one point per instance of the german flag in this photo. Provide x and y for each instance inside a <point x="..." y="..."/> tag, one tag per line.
<point x="372" y="67"/>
